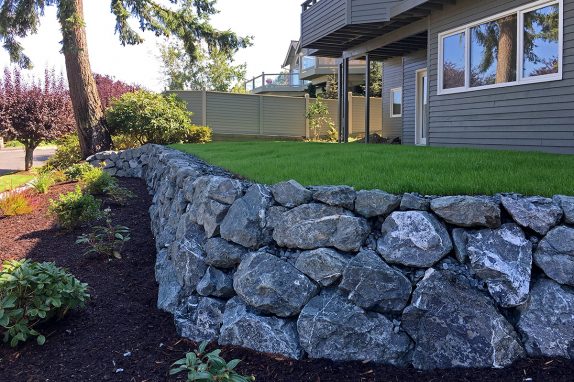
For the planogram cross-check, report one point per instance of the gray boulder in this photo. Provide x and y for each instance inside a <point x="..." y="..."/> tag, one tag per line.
<point x="245" y="221"/>
<point x="454" y="325"/>
<point x="414" y="202"/>
<point x="170" y="290"/>
<point x="331" y="327"/>
<point x="547" y="322"/>
<point x="555" y="255"/>
<point x="216" y="283"/>
<point x="325" y="266"/>
<point x="272" y="285"/>
<point x="222" y="254"/>
<point x="537" y="213"/>
<point x="459" y="241"/>
<point x="503" y="259"/>
<point x="291" y="194"/>
<point x="199" y="318"/>
<point x="337" y="196"/>
<point x="243" y="326"/>
<point x="187" y="253"/>
<point x="376" y="203"/>
<point x="467" y="211"/>
<point x="567" y="205"/>
<point x="373" y="285"/>
<point x="314" y="225"/>
<point x="413" y="238"/>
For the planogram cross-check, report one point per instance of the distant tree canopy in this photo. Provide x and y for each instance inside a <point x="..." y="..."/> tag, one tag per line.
<point x="185" y="20"/>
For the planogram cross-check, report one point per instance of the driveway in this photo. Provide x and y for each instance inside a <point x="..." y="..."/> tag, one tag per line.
<point x="13" y="159"/>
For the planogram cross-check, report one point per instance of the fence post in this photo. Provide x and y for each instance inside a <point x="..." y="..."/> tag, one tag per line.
<point x="261" y="120"/>
<point x="350" y="113"/>
<point x="204" y="108"/>
<point x="307" y="132"/>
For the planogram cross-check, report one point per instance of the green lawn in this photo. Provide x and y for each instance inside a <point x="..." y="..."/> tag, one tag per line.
<point x="10" y="181"/>
<point x="395" y="169"/>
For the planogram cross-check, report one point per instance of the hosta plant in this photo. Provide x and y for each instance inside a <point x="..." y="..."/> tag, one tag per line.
<point x="32" y="293"/>
<point x="107" y="240"/>
<point x="208" y="367"/>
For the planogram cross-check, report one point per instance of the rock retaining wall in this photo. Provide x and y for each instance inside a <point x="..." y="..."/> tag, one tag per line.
<point x="330" y="272"/>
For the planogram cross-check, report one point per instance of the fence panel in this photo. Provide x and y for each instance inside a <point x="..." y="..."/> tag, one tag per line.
<point x="283" y="116"/>
<point x="233" y="113"/>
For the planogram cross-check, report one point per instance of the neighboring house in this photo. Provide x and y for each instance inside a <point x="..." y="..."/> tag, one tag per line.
<point x="488" y="73"/>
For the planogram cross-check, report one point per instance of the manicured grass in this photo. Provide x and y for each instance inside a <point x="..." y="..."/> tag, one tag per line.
<point x="395" y="169"/>
<point x="10" y="181"/>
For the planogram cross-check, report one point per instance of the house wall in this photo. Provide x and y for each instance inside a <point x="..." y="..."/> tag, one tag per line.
<point x="392" y="78"/>
<point x="524" y="117"/>
<point x="412" y="62"/>
<point x="322" y="19"/>
<point x="369" y="11"/>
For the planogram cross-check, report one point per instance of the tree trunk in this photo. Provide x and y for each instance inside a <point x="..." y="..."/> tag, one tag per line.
<point x="506" y="62"/>
<point x="91" y="125"/>
<point x="29" y="157"/>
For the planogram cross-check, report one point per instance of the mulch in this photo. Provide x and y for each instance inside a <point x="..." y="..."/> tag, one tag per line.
<point x="121" y="336"/>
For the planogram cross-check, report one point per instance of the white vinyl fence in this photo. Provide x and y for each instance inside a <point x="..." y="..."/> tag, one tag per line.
<point x="270" y="115"/>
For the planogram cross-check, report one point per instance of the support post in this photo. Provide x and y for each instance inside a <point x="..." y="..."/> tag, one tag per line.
<point x="340" y="101"/>
<point x="350" y="123"/>
<point x="204" y="108"/>
<point x="346" y="100"/>
<point x="307" y="132"/>
<point x="367" y="98"/>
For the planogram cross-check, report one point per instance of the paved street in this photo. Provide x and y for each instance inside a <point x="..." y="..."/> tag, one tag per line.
<point x="13" y="159"/>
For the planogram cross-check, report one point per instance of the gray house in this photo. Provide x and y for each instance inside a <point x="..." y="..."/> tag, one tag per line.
<point x="488" y="73"/>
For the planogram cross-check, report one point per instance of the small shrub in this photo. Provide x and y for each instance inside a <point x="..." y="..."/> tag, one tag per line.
<point x="77" y="171"/>
<point x="67" y="154"/>
<point x="16" y="203"/>
<point x="197" y="134"/>
<point x="208" y="367"/>
<point x="58" y="176"/>
<point x="119" y="195"/>
<point x="124" y="142"/>
<point x="43" y="182"/>
<point x="96" y="181"/>
<point x="32" y="293"/>
<point x="147" y="117"/>
<point x="107" y="240"/>
<point x="74" y="209"/>
<point x="320" y="121"/>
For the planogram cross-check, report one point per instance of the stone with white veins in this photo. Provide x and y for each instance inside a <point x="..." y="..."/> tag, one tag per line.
<point x="413" y="238"/>
<point x="216" y="283"/>
<point x="537" y="213"/>
<point x="467" y="211"/>
<point x="222" y="254"/>
<point x="376" y="203"/>
<point x="169" y="290"/>
<point x="199" y="318"/>
<point x="337" y="196"/>
<point x="503" y="259"/>
<point x="323" y="265"/>
<point x="555" y="255"/>
<point x="567" y="204"/>
<point x="373" y="285"/>
<point x="291" y="194"/>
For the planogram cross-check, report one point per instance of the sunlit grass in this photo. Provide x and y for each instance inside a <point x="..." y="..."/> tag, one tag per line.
<point x="11" y="181"/>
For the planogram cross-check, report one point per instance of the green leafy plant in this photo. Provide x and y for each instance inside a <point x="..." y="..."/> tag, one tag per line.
<point x="75" y="208"/>
<point x="207" y="367"/>
<point x="96" y="181"/>
<point x="77" y="171"/>
<point x="320" y="121"/>
<point x="32" y="293"/>
<point x="107" y="240"/>
<point x="15" y="203"/>
<point x="148" y="117"/>
<point x="67" y="154"/>
<point x="119" y="195"/>
<point x="43" y="182"/>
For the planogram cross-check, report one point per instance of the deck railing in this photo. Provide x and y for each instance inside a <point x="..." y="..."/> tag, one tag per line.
<point x="308" y="4"/>
<point x="276" y="82"/>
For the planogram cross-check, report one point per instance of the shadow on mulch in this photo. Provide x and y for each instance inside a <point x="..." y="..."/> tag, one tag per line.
<point x="121" y="336"/>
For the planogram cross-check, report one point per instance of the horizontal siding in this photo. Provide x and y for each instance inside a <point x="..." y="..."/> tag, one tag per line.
<point x="283" y="116"/>
<point x="233" y="113"/>
<point x="321" y="19"/>
<point x="392" y="78"/>
<point x="370" y="11"/>
<point x="524" y="117"/>
<point x="413" y="62"/>
<point x="193" y="101"/>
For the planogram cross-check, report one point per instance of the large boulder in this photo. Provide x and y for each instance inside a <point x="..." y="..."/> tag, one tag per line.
<point x="337" y="196"/>
<point x="199" y="318"/>
<point x="243" y="326"/>
<point x="331" y="327"/>
<point x="376" y="203"/>
<point x="503" y="259"/>
<point x="170" y="290"/>
<point x="537" y="213"/>
<point x="467" y="211"/>
<point x="315" y="225"/>
<point x="216" y="283"/>
<point x="567" y="205"/>
<point x="291" y="194"/>
<point x="187" y="253"/>
<point x="555" y="255"/>
<point x="454" y="325"/>
<point x="222" y="254"/>
<point x="547" y="322"/>
<point x="272" y="285"/>
<point x="324" y="265"/>
<point x="372" y="284"/>
<point x="245" y="222"/>
<point x="413" y="238"/>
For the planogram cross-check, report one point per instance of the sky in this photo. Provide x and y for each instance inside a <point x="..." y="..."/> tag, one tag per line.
<point x="272" y="23"/>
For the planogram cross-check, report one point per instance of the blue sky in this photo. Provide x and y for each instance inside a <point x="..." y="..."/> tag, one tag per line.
<point x="273" y="24"/>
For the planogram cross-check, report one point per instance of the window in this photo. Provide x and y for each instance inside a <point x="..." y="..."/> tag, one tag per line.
<point x="520" y="46"/>
<point x="396" y="102"/>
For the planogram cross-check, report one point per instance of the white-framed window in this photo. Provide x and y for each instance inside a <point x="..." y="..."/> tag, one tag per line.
<point x="396" y="102"/>
<point x="523" y="45"/>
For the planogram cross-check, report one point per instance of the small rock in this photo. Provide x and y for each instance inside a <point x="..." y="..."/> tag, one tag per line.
<point x="376" y="203"/>
<point x="222" y="254"/>
<point x="216" y="283"/>
<point x="337" y="196"/>
<point x="567" y="205"/>
<point x="537" y="213"/>
<point x="459" y="240"/>
<point x="414" y="202"/>
<point x="322" y="265"/>
<point x="291" y="194"/>
<point x="199" y="318"/>
<point x="467" y="211"/>
<point x="555" y="255"/>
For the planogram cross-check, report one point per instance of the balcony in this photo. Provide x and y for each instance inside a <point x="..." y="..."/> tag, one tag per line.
<point x="314" y="67"/>
<point x="286" y="83"/>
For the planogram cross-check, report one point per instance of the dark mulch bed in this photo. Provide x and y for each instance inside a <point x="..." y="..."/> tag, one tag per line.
<point x="121" y="317"/>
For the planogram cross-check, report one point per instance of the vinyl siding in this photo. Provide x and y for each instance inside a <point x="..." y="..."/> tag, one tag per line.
<point x="369" y="11"/>
<point x="392" y="78"/>
<point x="523" y="117"/>
<point x="412" y="63"/>
<point x="322" y="19"/>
